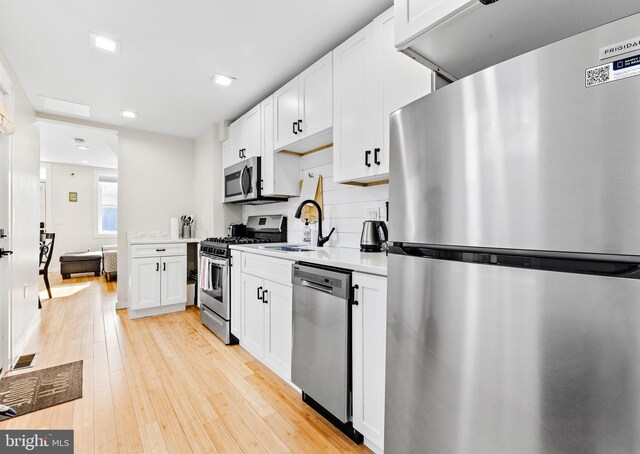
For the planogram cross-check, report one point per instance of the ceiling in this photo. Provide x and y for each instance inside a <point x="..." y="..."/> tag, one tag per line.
<point x="57" y="144"/>
<point x="170" y="51"/>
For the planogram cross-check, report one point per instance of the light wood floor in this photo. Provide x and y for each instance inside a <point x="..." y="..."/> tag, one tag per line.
<point x="164" y="384"/>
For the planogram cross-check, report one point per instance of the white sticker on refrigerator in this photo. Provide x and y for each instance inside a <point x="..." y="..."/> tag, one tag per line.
<point x="617" y="70"/>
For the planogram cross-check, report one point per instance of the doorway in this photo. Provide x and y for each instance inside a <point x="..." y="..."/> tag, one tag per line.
<point x="78" y="200"/>
<point x="6" y="97"/>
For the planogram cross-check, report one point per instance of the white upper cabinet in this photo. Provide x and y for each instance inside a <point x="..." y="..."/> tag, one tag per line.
<point x="229" y="153"/>
<point x="303" y="109"/>
<point x="244" y="138"/>
<point x="286" y="114"/>
<point x="280" y="171"/>
<point x="315" y="98"/>
<point x="353" y="65"/>
<point x="234" y="141"/>
<point x="371" y="80"/>
<point x="414" y="17"/>
<point x="251" y="133"/>
<point x="402" y="81"/>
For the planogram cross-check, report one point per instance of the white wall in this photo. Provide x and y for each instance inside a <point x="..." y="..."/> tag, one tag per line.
<point x="74" y="222"/>
<point x="155" y="183"/>
<point x="24" y="232"/>
<point x="345" y="206"/>
<point x="212" y="217"/>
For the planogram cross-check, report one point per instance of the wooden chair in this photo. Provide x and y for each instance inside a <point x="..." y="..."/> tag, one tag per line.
<point x="46" y="252"/>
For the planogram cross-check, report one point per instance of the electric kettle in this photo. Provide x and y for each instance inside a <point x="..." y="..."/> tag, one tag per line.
<point x="374" y="236"/>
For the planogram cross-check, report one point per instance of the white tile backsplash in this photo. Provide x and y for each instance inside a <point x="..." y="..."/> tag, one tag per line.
<point x="345" y="207"/>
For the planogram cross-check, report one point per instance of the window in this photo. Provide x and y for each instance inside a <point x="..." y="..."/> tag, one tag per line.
<point x="107" y="205"/>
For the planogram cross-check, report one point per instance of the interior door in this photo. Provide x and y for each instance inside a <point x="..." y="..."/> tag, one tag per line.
<point x="252" y="315"/>
<point x="173" y="281"/>
<point x="5" y="243"/>
<point x="146" y="283"/>
<point x="251" y="132"/>
<point x="316" y="97"/>
<point x="279" y="306"/>
<point x="352" y="103"/>
<point x="286" y="114"/>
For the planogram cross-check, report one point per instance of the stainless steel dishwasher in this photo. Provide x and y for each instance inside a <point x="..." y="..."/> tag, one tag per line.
<point x="321" y="357"/>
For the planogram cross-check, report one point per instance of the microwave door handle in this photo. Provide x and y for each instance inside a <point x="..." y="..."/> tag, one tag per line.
<point x="242" y="181"/>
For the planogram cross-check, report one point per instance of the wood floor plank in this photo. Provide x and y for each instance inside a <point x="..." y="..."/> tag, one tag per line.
<point x="164" y="384"/>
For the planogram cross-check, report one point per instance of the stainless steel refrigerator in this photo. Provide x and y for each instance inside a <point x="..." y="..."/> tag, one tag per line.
<point x="514" y="301"/>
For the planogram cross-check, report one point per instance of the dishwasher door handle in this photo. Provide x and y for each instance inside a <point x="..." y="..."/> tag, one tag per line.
<point x="315" y="286"/>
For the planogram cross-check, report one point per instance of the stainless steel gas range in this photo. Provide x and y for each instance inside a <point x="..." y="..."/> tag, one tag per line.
<point x="214" y="281"/>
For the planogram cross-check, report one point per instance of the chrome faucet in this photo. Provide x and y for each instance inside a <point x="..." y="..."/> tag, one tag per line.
<point x="321" y="239"/>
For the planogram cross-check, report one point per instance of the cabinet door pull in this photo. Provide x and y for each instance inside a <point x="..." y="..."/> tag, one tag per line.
<point x="259" y="296"/>
<point x="354" y="301"/>
<point x="366" y="158"/>
<point x="157" y="266"/>
<point x="164" y="267"/>
<point x="299" y="125"/>
<point x="376" y="151"/>
<point x="264" y="297"/>
<point x="295" y="123"/>
<point x="240" y="154"/>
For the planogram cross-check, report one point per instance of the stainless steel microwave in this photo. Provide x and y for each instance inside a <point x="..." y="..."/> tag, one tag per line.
<point x="243" y="183"/>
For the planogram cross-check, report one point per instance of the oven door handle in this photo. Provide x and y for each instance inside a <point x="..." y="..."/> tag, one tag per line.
<point x="216" y="261"/>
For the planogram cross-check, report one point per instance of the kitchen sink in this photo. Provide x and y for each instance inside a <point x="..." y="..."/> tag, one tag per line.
<point x="288" y="248"/>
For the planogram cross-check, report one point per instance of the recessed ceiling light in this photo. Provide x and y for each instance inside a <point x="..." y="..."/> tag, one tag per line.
<point x="65" y="107"/>
<point x="105" y="44"/>
<point x="85" y="162"/>
<point x="128" y="114"/>
<point x="82" y="147"/>
<point x="221" y="79"/>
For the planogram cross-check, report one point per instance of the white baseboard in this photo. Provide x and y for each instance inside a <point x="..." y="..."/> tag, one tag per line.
<point x="121" y="305"/>
<point x="21" y="343"/>
<point x="159" y="310"/>
<point x="372" y="446"/>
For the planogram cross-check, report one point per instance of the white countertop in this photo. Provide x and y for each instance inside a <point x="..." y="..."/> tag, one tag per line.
<point x="163" y="240"/>
<point x="338" y="257"/>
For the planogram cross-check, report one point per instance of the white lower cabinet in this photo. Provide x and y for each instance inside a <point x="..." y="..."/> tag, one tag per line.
<point x="369" y="328"/>
<point x="253" y="314"/>
<point x="267" y="312"/>
<point x="145" y="278"/>
<point x="278" y="328"/>
<point x="266" y="320"/>
<point x="158" y="278"/>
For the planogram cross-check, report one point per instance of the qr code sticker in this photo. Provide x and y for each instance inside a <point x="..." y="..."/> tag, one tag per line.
<point x="598" y="75"/>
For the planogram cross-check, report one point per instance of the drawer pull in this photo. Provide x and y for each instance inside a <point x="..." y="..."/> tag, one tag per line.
<point x="160" y="250"/>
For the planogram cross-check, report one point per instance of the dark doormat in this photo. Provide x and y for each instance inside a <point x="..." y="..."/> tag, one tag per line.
<point x="33" y="391"/>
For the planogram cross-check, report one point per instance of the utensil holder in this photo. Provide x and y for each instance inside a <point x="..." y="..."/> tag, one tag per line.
<point x="186" y="231"/>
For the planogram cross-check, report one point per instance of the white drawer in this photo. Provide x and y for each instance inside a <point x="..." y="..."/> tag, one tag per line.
<point x="270" y="268"/>
<point x="158" y="249"/>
